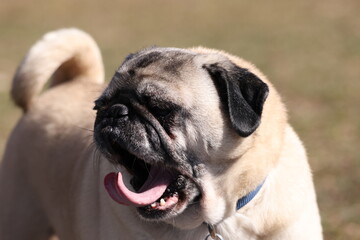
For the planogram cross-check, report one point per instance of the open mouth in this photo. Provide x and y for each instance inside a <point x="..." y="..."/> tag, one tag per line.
<point x="157" y="191"/>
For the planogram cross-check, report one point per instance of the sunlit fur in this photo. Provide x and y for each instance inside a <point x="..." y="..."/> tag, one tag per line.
<point x="52" y="183"/>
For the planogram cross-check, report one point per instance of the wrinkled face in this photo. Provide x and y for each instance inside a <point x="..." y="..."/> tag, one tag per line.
<point x="163" y="117"/>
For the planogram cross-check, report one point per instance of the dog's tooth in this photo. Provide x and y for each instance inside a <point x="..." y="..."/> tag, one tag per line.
<point x="162" y="202"/>
<point x="153" y="205"/>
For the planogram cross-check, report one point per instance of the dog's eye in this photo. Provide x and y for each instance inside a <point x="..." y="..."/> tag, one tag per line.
<point x="160" y="112"/>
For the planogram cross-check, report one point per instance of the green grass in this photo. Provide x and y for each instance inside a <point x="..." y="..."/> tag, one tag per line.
<point x="309" y="49"/>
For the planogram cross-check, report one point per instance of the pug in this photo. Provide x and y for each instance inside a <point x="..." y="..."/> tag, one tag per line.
<point x="180" y="144"/>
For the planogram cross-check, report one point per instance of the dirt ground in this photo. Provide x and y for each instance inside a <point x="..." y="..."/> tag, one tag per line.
<point x="309" y="49"/>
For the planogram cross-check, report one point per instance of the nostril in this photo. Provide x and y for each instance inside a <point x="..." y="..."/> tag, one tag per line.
<point x="119" y="110"/>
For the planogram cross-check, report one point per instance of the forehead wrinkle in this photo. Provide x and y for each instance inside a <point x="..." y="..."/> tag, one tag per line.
<point x="160" y="94"/>
<point x="147" y="59"/>
<point x="165" y="60"/>
<point x="169" y="72"/>
<point x="154" y="90"/>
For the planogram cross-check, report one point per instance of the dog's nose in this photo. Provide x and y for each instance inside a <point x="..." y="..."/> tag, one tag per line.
<point x="119" y="110"/>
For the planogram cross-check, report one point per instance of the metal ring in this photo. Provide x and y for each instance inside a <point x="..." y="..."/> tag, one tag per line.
<point x="217" y="237"/>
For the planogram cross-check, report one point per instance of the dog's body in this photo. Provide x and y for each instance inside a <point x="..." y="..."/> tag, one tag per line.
<point x="51" y="176"/>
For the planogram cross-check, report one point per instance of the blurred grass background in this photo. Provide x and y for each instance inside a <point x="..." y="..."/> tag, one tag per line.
<point x="309" y="49"/>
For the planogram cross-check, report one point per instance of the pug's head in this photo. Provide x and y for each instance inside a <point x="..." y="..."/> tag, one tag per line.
<point x="177" y="120"/>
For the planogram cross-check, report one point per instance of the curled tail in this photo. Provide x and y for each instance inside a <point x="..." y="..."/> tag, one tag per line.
<point x="61" y="55"/>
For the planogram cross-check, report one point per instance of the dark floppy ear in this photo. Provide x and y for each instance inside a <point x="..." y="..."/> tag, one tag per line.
<point x="243" y="94"/>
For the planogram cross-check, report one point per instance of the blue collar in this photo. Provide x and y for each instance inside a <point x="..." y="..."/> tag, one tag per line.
<point x="247" y="198"/>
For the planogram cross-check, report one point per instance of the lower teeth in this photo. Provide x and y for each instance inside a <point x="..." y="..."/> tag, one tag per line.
<point x="162" y="201"/>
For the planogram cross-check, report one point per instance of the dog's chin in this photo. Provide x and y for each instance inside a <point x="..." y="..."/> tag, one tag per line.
<point x="158" y="192"/>
<point x="190" y="218"/>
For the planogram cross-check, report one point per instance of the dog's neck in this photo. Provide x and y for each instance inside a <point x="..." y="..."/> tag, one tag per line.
<point x="239" y="204"/>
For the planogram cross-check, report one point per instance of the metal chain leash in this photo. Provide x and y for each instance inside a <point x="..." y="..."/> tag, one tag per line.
<point x="212" y="233"/>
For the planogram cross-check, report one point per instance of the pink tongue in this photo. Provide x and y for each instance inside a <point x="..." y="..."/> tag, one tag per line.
<point x="152" y="190"/>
